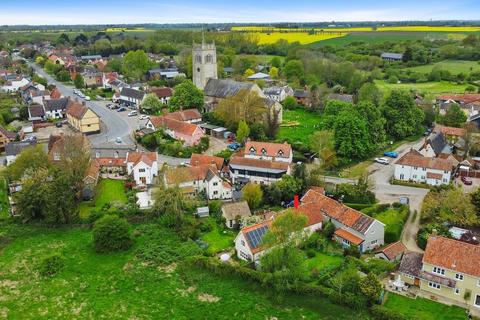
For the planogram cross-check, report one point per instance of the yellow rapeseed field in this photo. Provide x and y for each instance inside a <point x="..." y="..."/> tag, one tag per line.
<point x="302" y="37"/>
<point x="366" y="29"/>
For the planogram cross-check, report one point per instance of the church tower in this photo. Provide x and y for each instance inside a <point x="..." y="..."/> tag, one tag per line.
<point x="204" y="64"/>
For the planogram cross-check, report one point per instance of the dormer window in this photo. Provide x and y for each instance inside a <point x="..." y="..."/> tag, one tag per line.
<point x="97" y="154"/>
<point x="56" y="156"/>
<point x="252" y="150"/>
<point x="115" y="155"/>
<point x="264" y="152"/>
<point x="280" y="153"/>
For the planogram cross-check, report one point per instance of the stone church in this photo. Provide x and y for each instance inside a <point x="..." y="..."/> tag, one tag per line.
<point x="204" y="64"/>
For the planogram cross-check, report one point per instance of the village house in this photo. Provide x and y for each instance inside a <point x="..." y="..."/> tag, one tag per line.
<point x="201" y="179"/>
<point x="163" y="74"/>
<point x="130" y="97"/>
<point x="6" y="137"/>
<point x="413" y="166"/>
<point x="217" y="90"/>
<point x="82" y="118"/>
<point x="143" y="167"/>
<point x="187" y="115"/>
<point x="31" y="90"/>
<point x="392" y="252"/>
<point x="203" y="159"/>
<point x="189" y="133"/>
<point x="55" y="108"/>
<point x="278" y="93"/>
<point x="13" y="149"/>
<point x="244" y="170"/>
<point x="90" y="180"/>
<point x="303" y="98"/>
<point x="352" y="226"/>
<point x="259" y="76"/>
<point x="163" y="94"/>
<point x="234" y="213"/>
<point x="268" y="151"/>
<point x="436" y="145"/>
<point x="448" y="268"/>
<point x="14" y="84"/>
<point x="469" y="102"/>
<point x="36" y="113"/>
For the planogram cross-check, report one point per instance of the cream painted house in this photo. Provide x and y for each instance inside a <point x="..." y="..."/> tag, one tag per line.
<point x="83" y="119"/>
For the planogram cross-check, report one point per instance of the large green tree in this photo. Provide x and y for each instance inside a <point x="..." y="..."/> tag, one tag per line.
<point x="253" y="194"/>
<point x="151" y="103"/>
<point x="403" y="117"/>
<point x="186" y="96"/>
<point x="79" y="82"/>
<point x="136" y="64"/>
<point x="352" y="138"/>
<point x="243" y="131"/>
<point x="323" y="143"/>
<point x="370" y="93"/>
<point x="454" y="117"/>
<point x="30" y="160"/>
<point x="375" y="122"/>
<point x="245" y="105"/>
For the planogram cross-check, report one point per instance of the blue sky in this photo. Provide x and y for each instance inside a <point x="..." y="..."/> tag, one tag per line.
<point x="210" y="11"/>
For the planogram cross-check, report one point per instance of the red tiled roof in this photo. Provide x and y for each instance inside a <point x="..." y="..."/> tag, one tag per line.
<point x="55" y="94"/>
<point x="454" y="255"/>
<point x="77" y="110"/>
<point x="310" y="210"/>
<point x="450" y="131"/>
<point x="338" y="211"/>
<point x="272" y="149"/>
<point x="146" y="157"/>
<point x="186" y="174"/>
<point x="257" y="163"/>
<point x="465" y="98"/>
<point x="111" y="162"/>
<point x="414" y="159"/>
<point x="350" y="237"/>
<point x="176" y="126"/>
<point x="185" y="115"/>
<point x="162" y="92"/>
<point x="251" y="228"/>
<point x="202" y="159"/>
<point x="393" y="250"/>
<point x="10" y="135"/>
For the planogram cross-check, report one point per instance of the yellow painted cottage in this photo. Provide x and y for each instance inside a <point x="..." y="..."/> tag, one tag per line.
<point x="83" y="118"/>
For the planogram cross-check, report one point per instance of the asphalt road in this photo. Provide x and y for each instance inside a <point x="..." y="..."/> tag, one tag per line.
<point x="114" y="125"/>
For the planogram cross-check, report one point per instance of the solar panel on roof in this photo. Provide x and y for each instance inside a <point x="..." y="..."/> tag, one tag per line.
<point x="255" y="237"/>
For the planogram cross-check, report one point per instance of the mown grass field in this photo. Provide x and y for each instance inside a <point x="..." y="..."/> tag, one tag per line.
<point x="322" y="261"/>
<point x="427" y="87"/>
<point x="218" y="240"/>
<point x="109" y="191"/>
<point x="298" y="126"/>
<point x="453" y="66"/>
<point x="4" y="204"/>
<point x="423" y="309"/>
<point x="126" y="286"/>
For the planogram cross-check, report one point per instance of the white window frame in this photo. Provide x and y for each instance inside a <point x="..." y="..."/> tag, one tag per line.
<point x="438" y="270"/>
<point x="459" y="276"/>
<point x="477" y="297"/>
<point x="434" y="285"/>
<point x="456" y="291"/>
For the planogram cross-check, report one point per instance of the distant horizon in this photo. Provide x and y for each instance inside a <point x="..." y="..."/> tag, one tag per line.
<point x="106" y="12"/>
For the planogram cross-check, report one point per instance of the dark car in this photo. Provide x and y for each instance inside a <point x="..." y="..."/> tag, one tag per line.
<point x="466" y="181"/>
<point x="58" y="124"/>
<point x="122" y="109"/>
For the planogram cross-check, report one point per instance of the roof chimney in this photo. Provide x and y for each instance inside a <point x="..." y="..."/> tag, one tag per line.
<point x="295" y="201"/>
<point x="434" y="232"/>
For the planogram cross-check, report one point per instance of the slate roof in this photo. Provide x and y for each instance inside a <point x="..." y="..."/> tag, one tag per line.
<point x="132" y="93"/>
<point x="10" y="135"/>
<point x="340" y="97"/>
<point x="56" y="104"/>
<point x="259" y="75"/>
<point x="301" y="94"/>
<point x="236" y="209"/>
<point x="224" y="88"/>
<point x="439" y="143"/>
<point x="36" y="111"/>
<point x="411" y="263"/>
<point x="15" y="148"/>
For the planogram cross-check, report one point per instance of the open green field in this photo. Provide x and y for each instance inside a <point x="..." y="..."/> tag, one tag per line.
<point x="440" y="87"/>
<point x="453" y="66"/>
<point x="217" y="239"/>
<point x="126" y="286"/>
<point x="298" y="125"/>
<point x="423" y="309"/>
<point x="108" y="191"/>
<point x="4" y="204"/>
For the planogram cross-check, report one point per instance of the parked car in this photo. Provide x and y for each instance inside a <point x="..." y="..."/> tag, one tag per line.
<point x="87" y="98"/>
<point x="466" y="181"/>
<point x="233" y="146"/>
<point x="382" y="160"/>
<point x="132" y="113"/>
<point x="109" y="105"/>
<point x="58" y="124"/>
<point x="118" y="140"/>
<point x="391" y="154"/>
<point x="121" y="109"/>
<point x="143" y="117"/>
<point x="75" y="91"/>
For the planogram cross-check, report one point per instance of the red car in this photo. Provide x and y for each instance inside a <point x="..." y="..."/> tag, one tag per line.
<point x="466" y="181"/>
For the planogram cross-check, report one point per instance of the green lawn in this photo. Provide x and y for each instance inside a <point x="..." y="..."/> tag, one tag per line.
<point x="217" y="239"/>
<point x="427" y="87"/>
<point x="298" y="125"/>
<point x="454" y="66"/>
<point x="423" y="308"/>
<point x="355" y="171"/>
<point x="4" y="204"/>
<point x="379" y="37"/>
<point x="394" y="221"/>
<point x="322" y="261"/>
<point x="126" y="286"/>
<point x="108" y="191"/>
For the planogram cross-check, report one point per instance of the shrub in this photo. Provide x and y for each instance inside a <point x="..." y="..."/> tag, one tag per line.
<point x="352" y="251"/>
<point x="311" y="253"/>
<point x="382" y="313"/>
<point x="95" y="215"/>
<point x="110" y="233"/>
<point x="50" y="265"/>
<point x="328" y="230"/>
